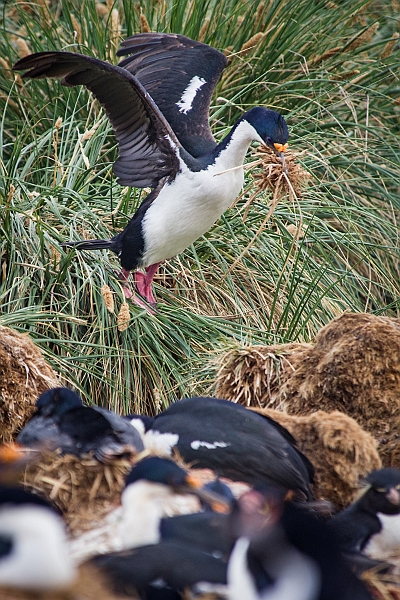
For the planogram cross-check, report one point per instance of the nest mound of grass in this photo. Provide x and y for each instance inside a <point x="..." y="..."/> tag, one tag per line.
<point x="270" y="175"/>
<point x="353" y="367"/>
<point x="382" y="586"/>
<point x="24" y="375"/>
<point x="90" y="584"/>
<point x="84" y="489"/>
<point x="340" y="450"/>
<point x="254" y="375"/>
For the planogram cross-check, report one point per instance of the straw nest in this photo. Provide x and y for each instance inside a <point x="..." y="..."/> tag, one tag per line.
<point x="24" y="375"/>
<point x="340" y="450"/>
<point x="270" y="175"/>
<point x="90" y="584"/>
<point x="354" y="367"/>
<point x="382" y="587"/>
<point x="254" y="375"/>
<point x="84" y="489"/>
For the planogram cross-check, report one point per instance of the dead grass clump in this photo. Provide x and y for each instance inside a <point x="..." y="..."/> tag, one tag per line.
<point x="84" y="489"/>
<point x="254" y="375"/>
<point x="90" y="584"/>
<point x="340" y="450"/>
<point x="353" y="367"/>
<point x="24" y="375"/>
<point x="382" y="586"/>
<point x="272" y="177"/>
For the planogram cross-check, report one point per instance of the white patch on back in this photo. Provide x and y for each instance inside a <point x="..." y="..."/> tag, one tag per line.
<point x="189" y="94"/>
<point x="139" y="426"/>
<point x="196" y="444"/>
<point x="160" y="443"/>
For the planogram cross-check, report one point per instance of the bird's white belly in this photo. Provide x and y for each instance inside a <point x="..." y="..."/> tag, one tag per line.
<point x="185" y="209"/>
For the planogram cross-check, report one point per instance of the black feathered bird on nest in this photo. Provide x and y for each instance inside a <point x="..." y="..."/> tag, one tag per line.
<point x="157" y="100"/>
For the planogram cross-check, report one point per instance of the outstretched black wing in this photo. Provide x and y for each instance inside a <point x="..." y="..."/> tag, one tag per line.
<point x="147" y="145"/>
<point x="180" y="75"/>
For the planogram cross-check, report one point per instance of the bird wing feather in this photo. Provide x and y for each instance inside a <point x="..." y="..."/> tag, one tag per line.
<point x="166" y="64"/>
<point x="148" y="147"/>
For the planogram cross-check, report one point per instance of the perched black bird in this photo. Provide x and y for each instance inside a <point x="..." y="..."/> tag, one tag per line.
<point x="355" y="526"/>
<point x="232" y="441"/>
<point x="207" y="531"/>
<point x="157" y="100"/>
<point x="284" y="552"/>
<point x="153" y="571"/>
<point x="61" y="421"/>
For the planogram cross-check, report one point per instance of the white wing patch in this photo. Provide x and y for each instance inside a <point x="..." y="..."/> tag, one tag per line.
<point x="185" y="103"/>
<point x="196" y="444"/>
<point x="160" y="443"/>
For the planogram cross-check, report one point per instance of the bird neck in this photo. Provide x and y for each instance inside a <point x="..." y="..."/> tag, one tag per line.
<point x="232" y="150"/>
<point x="39" y="559"/>
<point x="142" y="512"/>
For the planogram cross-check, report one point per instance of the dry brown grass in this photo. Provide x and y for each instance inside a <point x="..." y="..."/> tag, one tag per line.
<point x="340" y="450"/>
<point x="84" y="489"/>
<point x="24" y="375"/>
<point x="353" y="367"/>
<point x="254" y="375"/>
<point x="270" y="175"/>
<point x="90" y="584"/>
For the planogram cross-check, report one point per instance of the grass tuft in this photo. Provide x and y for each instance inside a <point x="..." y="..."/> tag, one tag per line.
<point x="275" y="268"/>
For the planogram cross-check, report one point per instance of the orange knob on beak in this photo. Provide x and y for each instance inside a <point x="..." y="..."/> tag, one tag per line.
<point x="281" y="147"/>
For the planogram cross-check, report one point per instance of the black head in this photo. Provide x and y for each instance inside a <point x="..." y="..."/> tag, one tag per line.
<point x="57" y="401"/>
<point x="158" y="470"/>
<point x="383" y="491"/>
<point x="270" y="126"/>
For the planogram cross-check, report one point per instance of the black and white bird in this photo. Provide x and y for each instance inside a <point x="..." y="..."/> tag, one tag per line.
<point x="359" y="524"/>
<point x="285" y="553"/>
<point x="161" y="571"/>
<point x="157" y="100"/>
<point x="62" y="421"/>
<point x="151" y="492"/>
<point x="232" y="441"/>
<point x="34" y="553"/>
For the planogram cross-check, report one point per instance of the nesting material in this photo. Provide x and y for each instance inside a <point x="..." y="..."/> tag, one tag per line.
<point x="90" y="584"/>
<point x="383" y="587"/>
<point x="84" y="489"/>
<point x="271" y="175"/>
<point x="254" y="375"/>
<point x="353" y="367"/>
<point x="340" y="450"/>
<point x="24" y="375"/>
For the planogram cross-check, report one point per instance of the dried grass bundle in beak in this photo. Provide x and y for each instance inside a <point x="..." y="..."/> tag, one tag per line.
<point x="282" y="177"/>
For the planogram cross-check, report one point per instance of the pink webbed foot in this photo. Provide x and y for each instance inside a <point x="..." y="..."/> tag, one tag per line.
<point x="144" y="283"/>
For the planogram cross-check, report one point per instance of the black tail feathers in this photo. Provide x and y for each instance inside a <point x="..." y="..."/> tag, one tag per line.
<point x="91" y="245"/>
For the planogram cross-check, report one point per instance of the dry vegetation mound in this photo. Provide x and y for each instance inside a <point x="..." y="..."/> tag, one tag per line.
<point x="84" y="489"/>
<point x="353" y="367"/>
<point x="340" y="450"/>
<point x="24" y="375"/>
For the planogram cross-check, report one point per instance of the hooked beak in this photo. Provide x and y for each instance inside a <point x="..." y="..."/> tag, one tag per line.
<point x="217" y="502"/>
<point x="279" y="150"/>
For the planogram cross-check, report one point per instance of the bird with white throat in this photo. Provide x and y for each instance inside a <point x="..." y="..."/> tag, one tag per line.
<point x="157" y="100"/>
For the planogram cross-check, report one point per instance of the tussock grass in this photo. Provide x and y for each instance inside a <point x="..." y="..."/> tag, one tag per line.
<point x="269" y="271"/>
